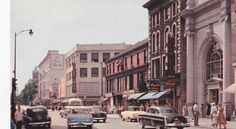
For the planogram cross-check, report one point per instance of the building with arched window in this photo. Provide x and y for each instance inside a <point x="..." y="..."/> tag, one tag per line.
<point x="166" y="61"/>
<point x="210" y="51"/>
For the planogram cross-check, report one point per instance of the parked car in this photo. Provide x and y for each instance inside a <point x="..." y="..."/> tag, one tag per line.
<point x="131" y="113"/>
<point x="36" y="116"/>
<point x="63" y="113"/>
<point x="98" y="113"/>
<point x="79" y="117"/>
<point x="163" y="117"/>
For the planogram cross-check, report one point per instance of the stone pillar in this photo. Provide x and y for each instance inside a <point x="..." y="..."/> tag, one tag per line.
<point x="190" y="67"/>
<point x="225" y="21"/>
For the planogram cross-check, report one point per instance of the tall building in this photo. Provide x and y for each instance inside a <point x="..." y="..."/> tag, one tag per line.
<point x="210" y="51"/>
<point x="85" y="70"/>
<point x="126" y="74"/>
<point x="167" y="49"/>
<point x="51" y="69"/>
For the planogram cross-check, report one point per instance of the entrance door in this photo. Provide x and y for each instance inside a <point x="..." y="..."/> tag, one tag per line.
<point x="214" y="95"/>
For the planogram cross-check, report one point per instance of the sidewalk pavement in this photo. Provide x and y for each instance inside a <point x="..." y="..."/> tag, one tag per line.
<point x="204" y="123"/>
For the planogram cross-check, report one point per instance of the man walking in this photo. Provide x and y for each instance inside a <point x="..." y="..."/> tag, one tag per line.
<point x="18" y="118"/>
<point x="196" y="114"/>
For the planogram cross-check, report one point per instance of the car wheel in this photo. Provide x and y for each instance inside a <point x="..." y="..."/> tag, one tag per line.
<point x="68" y="127"/>
<point x="27" y="127"/>
<point x="143" y="126"/>
<point x="49" y="126"/>
<point x="90" y="127"/>
<point x="180" y="128"/>
<point x="97" y="120"/>
<point x="104" y="120"/>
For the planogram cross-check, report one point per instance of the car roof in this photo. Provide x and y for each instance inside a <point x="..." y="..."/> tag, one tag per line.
<point x="76" y="107"/>
<point x="34" y="107"/>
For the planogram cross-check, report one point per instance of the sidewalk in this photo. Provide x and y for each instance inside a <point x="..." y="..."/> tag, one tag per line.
<point x="113" y="116"/>
<point x="205" y="123"/>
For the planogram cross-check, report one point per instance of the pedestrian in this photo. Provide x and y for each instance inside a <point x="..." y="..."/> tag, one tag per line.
<point x="190" y="112"/>
<point x="222" y="120"/>
<point x="215" y="119"/>
<point x="208" y="109"/>
<point x="202" y="111"/>
<point x="185" y="110"/>
<point x="18" y="118"/>
<point x="196" y="114"/>
<point x="213" y="108"/>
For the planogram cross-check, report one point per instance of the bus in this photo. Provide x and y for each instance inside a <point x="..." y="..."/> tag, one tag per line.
<point x="72" y="102"/>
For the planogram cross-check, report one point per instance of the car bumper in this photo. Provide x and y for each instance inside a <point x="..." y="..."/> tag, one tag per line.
<point x="80" y="124"/>
<point x="40" y="123"/>
<point x="99" y="118"/>
<point x="178" y="125"/>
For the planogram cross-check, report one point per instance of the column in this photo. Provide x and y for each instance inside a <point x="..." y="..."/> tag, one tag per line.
<point x="225" y="21"/>
<point x="190" y="67"/>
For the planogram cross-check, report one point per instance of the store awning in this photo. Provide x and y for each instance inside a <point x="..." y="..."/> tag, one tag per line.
<point x="135" y="96"/>
<point x="230" y="89"/>
<point x="147" y="96"/>
<point x="163" y="94"/>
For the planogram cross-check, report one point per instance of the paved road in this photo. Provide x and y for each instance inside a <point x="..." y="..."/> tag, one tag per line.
<point x="114" y="122"/>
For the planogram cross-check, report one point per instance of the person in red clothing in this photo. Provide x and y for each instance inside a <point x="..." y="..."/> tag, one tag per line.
<point x="222" y="120"/>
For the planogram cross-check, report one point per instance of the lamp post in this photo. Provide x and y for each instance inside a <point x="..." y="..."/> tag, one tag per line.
<point x="13" y="92"/>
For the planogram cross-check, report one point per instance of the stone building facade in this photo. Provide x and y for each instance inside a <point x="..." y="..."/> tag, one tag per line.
<point x="210" y="51"/>
<point x="86" y="70"/>
<point x="167" y="49"/>
<point x="51" y="69"/>
<point x="35" y="78"/>
<point x="126" y="74"/>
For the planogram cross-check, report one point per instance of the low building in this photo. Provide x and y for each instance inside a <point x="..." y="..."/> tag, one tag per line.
<point x="86" y="70"/>
<point x="126" y="74"/>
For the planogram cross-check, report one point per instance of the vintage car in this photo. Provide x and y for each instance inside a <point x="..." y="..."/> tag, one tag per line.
<point x="98" y="113"/>
<point x="79" y="117"/>
<point x="131" y="113"/>
<point x="162" y="117"/>
<point x="36" y="116"/>
<point x="63" y="113"/>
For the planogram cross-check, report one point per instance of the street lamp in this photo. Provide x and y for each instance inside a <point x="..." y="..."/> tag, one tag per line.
<point x="13" y="92"/>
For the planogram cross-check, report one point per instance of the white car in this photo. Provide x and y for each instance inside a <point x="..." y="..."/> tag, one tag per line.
<point x="131" y="113"/>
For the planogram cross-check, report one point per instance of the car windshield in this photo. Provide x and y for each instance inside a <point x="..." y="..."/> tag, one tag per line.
<point x="96" y="109"/>
<point x="133" y="109"/>
<point x="168" y="110"/>
<point x="80" y="111"/>
<point x="36" y="111"/>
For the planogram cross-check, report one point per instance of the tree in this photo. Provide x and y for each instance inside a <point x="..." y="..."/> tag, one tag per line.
<point x="27" y="94"/>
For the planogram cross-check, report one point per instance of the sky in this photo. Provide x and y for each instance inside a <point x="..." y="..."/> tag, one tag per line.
<point x="61" y="24"/>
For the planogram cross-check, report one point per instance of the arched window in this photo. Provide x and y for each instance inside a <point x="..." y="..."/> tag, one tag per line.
<point x="158" y="41"/>
<point x="214" y="62"/>
<point x="166" y="36"/>
<point x="153" y="43"/>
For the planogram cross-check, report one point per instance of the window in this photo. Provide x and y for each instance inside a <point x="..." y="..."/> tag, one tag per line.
<point x="157" y="41"/>
<point x="94" y="57"/>
<point x="214" y="63"/>
<point x="153" y="43"/>
<point x="174" y="9"/>
<point x="131" y="83"/>
<point x="103" y="72"/>
<point x="94" y="72"/>
<point x="158" y="18"/>
<point x="83" y="57"/>
<point x="83" y="72"/>
<point x="106" y="56"/>
<point x="145" y="56"/>
<point x="167" y="13"/>
<point x="113" y="67"/>
<point x="125" y="63"/>
<point x="166" y="37"/>
<point x="154" y="20"/>
<point x="138" y="60"/>
<point x="131" y="61"/>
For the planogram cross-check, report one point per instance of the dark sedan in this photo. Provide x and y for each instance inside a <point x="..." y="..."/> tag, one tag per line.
<point x="162" y="116"/>
<point x="36" y="116"/>
<point x="98" y="113"/>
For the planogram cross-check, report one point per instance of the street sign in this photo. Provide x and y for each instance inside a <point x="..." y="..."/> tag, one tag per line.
<point x="74" y="78"/>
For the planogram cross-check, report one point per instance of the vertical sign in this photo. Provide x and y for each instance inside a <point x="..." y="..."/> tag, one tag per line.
<point x="73" y="78"/>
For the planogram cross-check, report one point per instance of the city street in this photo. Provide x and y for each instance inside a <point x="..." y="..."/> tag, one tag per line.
<point x="114" y="122"/>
